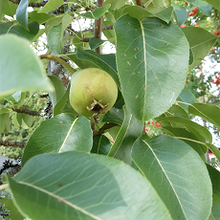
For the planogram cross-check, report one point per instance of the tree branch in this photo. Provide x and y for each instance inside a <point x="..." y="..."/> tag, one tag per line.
<point x="70" y="69"/>
<point x="139" y="2"/>
<point x="27" y="111"/>
<point x="37" y="4"/>
<point x="98" y="26"/>
<point x="13" y="144"/>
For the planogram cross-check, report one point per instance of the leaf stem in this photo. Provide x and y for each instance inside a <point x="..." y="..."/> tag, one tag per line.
<point x="3" y="186"/>
<point x="70" y="69"/>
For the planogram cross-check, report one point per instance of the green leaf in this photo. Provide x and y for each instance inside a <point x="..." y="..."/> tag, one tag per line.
<point x="176" y="110"/>
<point x="51" y="5"/>
<point x="77" y="185"/>
<point x="22" y="13"/>
<point x="101" y="145"/>
<point x="202" y="133"/>
<point x="59" y="91"/>
<point x="13" y="211"/>
<point x="130" y="130"/>
<point x="189" y="138"/>
<point x="214" y="3"/>
<point x="5" y="123"/>
<point x="95" y="42"/>
<point x="54" y="39"/>
<point x="206" y="111"/>
<point x="166" y="14"/>
<point x="142" y="57"/>
<point x="63" y="105"/>
<point x="96" y="13"/>
<point x="103" y="61"/>
<point x="203" y="6"/>
<point x="115" y="4"/>
<point x="22" y="32"/>
<point x="215" y="178"/>
<point x="8" y="7"/>
<point x="81" y="63"/>
<point x="136" y="12"/>
<point x="59" y="134"/>
<point x="178" y="174"/>
<point x="186" y="96"/>
<point x="180" y="13"/>
<point x="39" y="18"/>
<point x="26" y="73"/>
<point x="114" y="115"/>
<point x="214" y="150"/>
<point x="200" y="41"/>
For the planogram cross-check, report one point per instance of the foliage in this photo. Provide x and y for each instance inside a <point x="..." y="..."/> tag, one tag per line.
<point x="145" y="158"/>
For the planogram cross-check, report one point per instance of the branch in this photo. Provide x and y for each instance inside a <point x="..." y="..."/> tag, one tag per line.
<point x="13" y="144"/>
<point x="70" y="69"/>
<point x="37" y="5"/>
<point x="139" y="2"/>
<point x="98" y="26"/>
<point x="26" y="111"/>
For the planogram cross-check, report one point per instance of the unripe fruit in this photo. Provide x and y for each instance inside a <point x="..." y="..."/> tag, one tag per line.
<point x="93" y="92"/>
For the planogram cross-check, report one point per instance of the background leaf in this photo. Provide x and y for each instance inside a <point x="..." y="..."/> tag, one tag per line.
<point x="22" y="13"/>
<point x="215" y="3"/>
<point x="101" y="145"/>
<point x="67" y="134"/>
<point x="103" y="61"/>
<point x="178" y="173"/>
<point x="150" y="78"/>
<point x="200" y="41"/>
<point x="26" y="73"/>
<point x="180" y="13"/>
<point x="84" y="186"/>
<point x="54" y="39"/>
<point x="202" y="5"/>
<point x="51" y="5"/>
<point x="206" y="111"/>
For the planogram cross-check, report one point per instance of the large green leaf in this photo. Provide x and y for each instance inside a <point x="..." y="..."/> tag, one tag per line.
<point x="178" y="174"/>
<point x="20" y="71"/>
<point x="22" y="13"/>
<point x="214" y="3"/>
<point x="8" y="7"/>
<point x="200" y="41"/>
<point x="208" y="112"/>
<point x="152" y="60"/>
<point x="39" y="18"/>
<point x="61" y="133"/>
<point x="76" y="185"/>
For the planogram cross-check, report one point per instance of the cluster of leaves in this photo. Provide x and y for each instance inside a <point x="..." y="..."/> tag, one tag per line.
<point x="71" y="169"/>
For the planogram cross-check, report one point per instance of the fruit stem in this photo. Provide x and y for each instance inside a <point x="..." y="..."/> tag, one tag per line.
<point x="70" y="69"/>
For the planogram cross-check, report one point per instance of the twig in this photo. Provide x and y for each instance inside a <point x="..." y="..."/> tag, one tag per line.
<point x="27" y="111"/>
<point x="13" y="144"/>
<point x="139" y="2"/>
<point x="37" y="4"/>
<point x="70" y="69"/>
<point x="98" y="26"/>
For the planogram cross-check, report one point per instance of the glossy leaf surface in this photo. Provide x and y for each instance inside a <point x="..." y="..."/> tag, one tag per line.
<point x="177" y="172"/>
<point x="77" y="185"/>
<point x="59" y="134"/>
<point x="26" y="73"/>
<point x="152" y="67"/>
